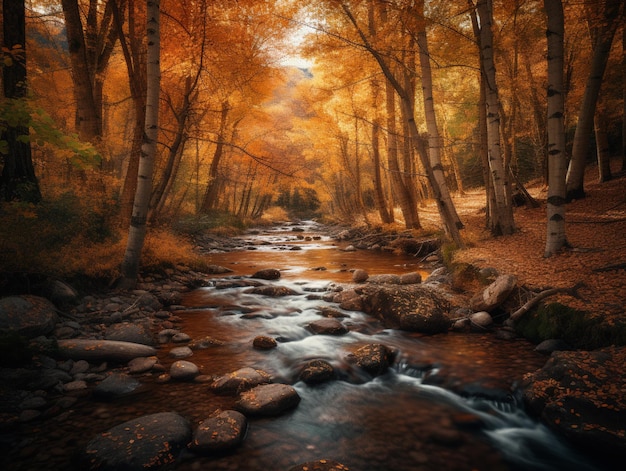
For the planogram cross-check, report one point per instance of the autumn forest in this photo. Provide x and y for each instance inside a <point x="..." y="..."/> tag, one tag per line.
<point x="355" y="111"/>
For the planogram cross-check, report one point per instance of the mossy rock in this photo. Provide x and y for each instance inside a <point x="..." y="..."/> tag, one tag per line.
<point x="580" y="329"/>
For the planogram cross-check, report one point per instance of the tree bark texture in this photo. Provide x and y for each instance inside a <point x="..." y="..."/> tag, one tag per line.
<point x="502" y="223"/>
<point x="138" y="223"/>
<point x="557" y="156"/>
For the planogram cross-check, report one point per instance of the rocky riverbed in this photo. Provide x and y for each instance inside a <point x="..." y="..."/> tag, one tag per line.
<point x="109" y="347"/>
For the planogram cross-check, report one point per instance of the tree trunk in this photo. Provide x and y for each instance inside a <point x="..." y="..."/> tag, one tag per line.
<point x="557" y="157"/>
<point x="174" y="154"/>
<point x="483" y="143"/>
<point x="136" y="70"/>
<point x="582" y="135"/>
<point x="503" y="223"/>
<point x="602" y="146"/>
<point x="138" y="224"/>
<point x="379" y="192"/>
<point x="624" y="93"/>
<point x="209" y="201"/>
<point x="90" y="46"/>
<point x="408" y="207"/>
<point x="17" y="181"/>
<point x="434" y="139"/>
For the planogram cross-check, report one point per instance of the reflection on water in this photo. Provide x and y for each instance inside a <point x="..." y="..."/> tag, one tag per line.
<point x="449" y="402"/>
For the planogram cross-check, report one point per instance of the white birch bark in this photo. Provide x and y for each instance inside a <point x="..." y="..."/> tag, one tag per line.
<point x="141" y="205"/>
<point x="502" y="222"/>
<point x="557" y="157"/>
<point x="434" y="139"/>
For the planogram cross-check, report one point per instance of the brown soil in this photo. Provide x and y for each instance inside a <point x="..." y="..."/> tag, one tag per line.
<point x="595" y="228"/>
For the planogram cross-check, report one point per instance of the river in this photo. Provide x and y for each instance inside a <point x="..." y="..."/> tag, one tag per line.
<point x="449" y="402"/>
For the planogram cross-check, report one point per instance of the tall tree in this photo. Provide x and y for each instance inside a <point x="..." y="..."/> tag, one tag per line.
<point x="557" y="156"/>
<point x="446" y="212"/>
<point x="603" y="30"/>
<point x="502" y="222"/>
<point x="18" y="180"/>
<point x="434" y="139"/>
<point x="141" y="206"/>
<point x="91" y="38"/>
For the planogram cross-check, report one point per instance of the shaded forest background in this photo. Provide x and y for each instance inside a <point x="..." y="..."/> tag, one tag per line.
<point x="272" y="110"/>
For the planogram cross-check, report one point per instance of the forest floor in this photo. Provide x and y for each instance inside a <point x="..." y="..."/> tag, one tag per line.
<point x="595" y="229"/>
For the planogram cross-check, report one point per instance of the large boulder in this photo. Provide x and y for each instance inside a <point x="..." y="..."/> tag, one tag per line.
<point x="407" y="307"/>
<point x="149" y="442"/>
<point x="28" y="316"/>
<point x="103" y="350"/>
<point x="494" y="294"/>
<point x="582" y="395"/>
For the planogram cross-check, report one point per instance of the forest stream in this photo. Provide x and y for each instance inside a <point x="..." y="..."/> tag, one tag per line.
<point x="447" y="402"/>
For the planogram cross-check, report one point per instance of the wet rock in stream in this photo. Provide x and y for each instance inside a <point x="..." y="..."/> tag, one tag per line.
<point x="268" y="400"/>
<point x="149" y="442"/>
<point x="221" y="432"/>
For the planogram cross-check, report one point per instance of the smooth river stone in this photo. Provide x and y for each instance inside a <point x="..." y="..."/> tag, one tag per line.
<point x="103" y="350"/>
<point x="268" y="400"/>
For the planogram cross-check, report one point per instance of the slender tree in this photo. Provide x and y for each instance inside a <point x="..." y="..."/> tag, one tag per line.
<point x="434" y="139"/>
<point x="502" y="222"/>
<point x="602" y="38"/>
<point x="141" y="206"/>
<point x="557" y="157"/>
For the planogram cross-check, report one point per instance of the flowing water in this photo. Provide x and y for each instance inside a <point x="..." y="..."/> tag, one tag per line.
<point x="449" y="401"/>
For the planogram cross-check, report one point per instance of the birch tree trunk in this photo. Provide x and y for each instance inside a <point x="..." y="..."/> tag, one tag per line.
<point x="141" y="206"/>
<point x="434" y="139"/>
<point x="502" y="223"/>
<point x="557" y="157"/>
<point x="584" y="128"/>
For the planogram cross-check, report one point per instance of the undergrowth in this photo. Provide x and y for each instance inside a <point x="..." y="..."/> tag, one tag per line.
<point x="578" y="328"/>
<point x="78" y="240"/>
